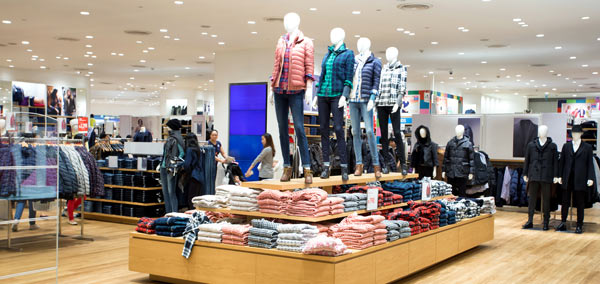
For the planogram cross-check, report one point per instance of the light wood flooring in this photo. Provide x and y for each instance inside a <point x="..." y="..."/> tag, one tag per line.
<point x="514" y="256"/>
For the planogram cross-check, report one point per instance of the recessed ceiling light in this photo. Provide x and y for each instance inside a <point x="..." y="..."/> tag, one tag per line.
<point x="93" y="56"/>
<point x="142" y="61"/>
<point x="532" y="80"/>
<point x="251" y="22"/>
<point x="551" y="71"/>
<point x="553" y="89"/>
<point x="113" y="53"/>
<point x="121" y="54"/>
<point x="43" y="67"/>
<point x="139" y="42"/>
<point x="313" y="9"/>
<point x="465" y="30"/>
<point x="573" y="57"/>
<point x="167" y="37"/>
<point x="585" y="18"/>
<point x="461" y="53"/>
<point x="518" y="75"/>
<point x="11" y="66"/>
<point x="145" y="51"/>
<point x="213" y="35"/>
<point x="434" y="42"/>
<point x="502" y="69"/>
<point x="85" y="13"/>
<point x="411" y="34"/>
<point x="399" y="29"/>
<point x="187" y="68"/>
<point x="254" y="33"/>
<point x="517" y="20"/>
<point x="176" y="76"/>
<point x="356" y="36"/>
<point x="176" y="38"/>
<point x="524" y="26"/>
<point x="211" y="80"/>
<point x="150" y="48"/>
<point x="25" y="42"/>
<point x="594" y="73"/>
<point x="201" y="57"/>
<point x="90" y="64"/>
<point x="430" y="72"/>
<point x="204" y="33"/>
<point x="131" y="78"/>
<point x="221" y="43"/>
<point x="521" y="23"/>
<point x="584" y="65"/>
<point x="8" y="60"/>
<point x="163" y="30"/>
<point x="65" y="58"/>
<point x="88" y="45"/>
<point x="558" y="47"/>
<point x="507" y="76"/>
<point x="29" y="50"/>
<point x="355" y="12"/>
<point x="407" y="32"/>
<point x="477" y="74"/>
<point x="7" y="22"/>
<point x="461" y="28"/>
<point x="89" y="37"/>
<point x="539" y="35"/>
<point x="483" y="62"/>
<point x="178" y="2"/>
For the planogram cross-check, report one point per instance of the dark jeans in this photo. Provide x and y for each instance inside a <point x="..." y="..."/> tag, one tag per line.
<point x="383" y="113"/>
<point x="459" y="186"/>
<point x="535" y="187"/>
<point x="21" y="207"/>
<point x="578" y="197"/>
<point x="283" y="103"/>
<point x="424" y="171"/>
<point x="327" y="106"/>
<point x="169" y="191"/>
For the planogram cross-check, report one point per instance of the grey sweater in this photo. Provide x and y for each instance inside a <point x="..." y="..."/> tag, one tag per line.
<point x="266" y="158"/>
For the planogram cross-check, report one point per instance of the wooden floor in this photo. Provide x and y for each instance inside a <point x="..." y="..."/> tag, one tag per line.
<point x="515" y="255"/>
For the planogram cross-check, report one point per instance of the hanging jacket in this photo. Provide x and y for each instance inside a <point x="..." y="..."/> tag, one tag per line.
<point x="173" y="148"/>
<point x="469" y="133"/>
<point x="95" y="175"/>
<point x="506" y="180"/>
<point x="514" y="187"/>
<point x="341" y="73"/>
<point x="193" y="164"/>
<point x="425" y="151"/>
<point x="301" y="65"/>
<point x="524" y="132"/>
<point x="369" y="79"/>
<point x="579" y="163"/>
<point x="541" y="162"/>
<point x="458" y="158"/>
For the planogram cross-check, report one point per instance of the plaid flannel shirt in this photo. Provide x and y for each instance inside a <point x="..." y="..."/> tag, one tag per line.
<point x="392" y="86"/>
<point x="328" y="85"/>
<point x="191" y="232"/>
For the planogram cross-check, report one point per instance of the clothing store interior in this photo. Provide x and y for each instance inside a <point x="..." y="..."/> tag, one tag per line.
<point x="389" y="141"/>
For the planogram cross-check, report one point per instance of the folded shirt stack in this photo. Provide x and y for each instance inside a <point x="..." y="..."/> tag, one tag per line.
<point x="243" y="199"/>
<point x="451" y="217"/>
<point x="274" y="201"/>
<point x="473" y="209"/>
<point x="411" y="216"/>
<point x="396" y="229"/>
<point x="426" y="224"/>
<point x="146" y="225"/>
<point x="293" y="237"/>
<point x="384" y="198"/>
<point x="314" y="202"/>
<point x="324" y="228"/>
<point x="263" y="234"/>
<point x="443" y="214"/>
<point x="225" y="190"/>
<point x="408" y="190"/>
<point x="489" y="205"/>
<point x="327" y="246"/>
<point x="353" y="201"/>
<point x="235" y="234"/>
<point x="459" y="209"/>
<point x="216" y="217"/>
<point x="428" y="210"/>
<point x="210" y="201"/>
<point x="211" y="232"/>
<point x="361" y="232"/>
<point x="440" y="188"/>
<point x="170" y="226"/>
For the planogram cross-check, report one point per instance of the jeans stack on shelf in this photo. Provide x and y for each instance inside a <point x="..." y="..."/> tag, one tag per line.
<point x="117" y="194"/>
<point x="108" y="193"/>
<point x="88" y="206"/>
<point x="128" y="179"/>
<point x="130" y="163"/>
<point x="152" y="163"/>
<point x="108" y="178"/>
<point x="118" y="179"/>
<point x="97" y="207"/>
<point x="127" y="195"/>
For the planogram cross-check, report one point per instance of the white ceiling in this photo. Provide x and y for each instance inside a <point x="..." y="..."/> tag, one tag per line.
<point x="489" y="23"/>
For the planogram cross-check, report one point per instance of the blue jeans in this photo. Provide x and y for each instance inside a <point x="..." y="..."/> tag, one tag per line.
<point x="358" y="110"/>
<point x="283" y="103"/>
<point x="21" y="207"/>
<point x="168" y="190"/>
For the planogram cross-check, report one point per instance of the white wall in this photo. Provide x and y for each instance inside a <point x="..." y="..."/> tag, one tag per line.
<point x="495" y="104"/>
<point x="133" y="109"/>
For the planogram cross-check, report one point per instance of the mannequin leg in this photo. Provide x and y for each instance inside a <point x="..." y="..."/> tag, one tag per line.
<point x="324" y="111"/>
<point x="297" y="108"/>
<point x="281" y="111"/>
<point x="338" y="127"/>
<point x="566" y="202"/>
<point x="534" y="189"/>
<point x="579" y="202"/>
<point x="356" y="139"/>
<point x="400" y="152"/>
<point x="382" y="116"/>
<point x="546" y="191"/>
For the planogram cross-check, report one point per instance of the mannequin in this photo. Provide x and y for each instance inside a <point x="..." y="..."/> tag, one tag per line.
<point x="335" y="84"/>
<point x="540" y="170"/>
<point x="576" y="170"/>
<point x="424" y="155"/>
<point x="289" y="82"/>
<point x="391" y="90"/>
<point x="365" y="86"/>
<point x="458" y="162"/>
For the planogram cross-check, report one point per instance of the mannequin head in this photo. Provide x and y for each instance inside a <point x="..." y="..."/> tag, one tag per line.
<point x="576" y="132"/>
<point x="576" y="136"/>
<point x="391" y="54"/>
<point x="543" y="131"/>
<point x="142" y="129"/>
<point x="337" y="36"/>
<point x="423" y="133"/>
<point x="460" y="131"/>
<point x="291" y="22"/>
<point x="363" y="45"/>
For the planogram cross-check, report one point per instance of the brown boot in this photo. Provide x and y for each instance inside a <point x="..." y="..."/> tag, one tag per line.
<point x="308" y="176"/>
<point x="287" y="174"/>
<point x="377" y="170"/>
<point x="358" y="170"/>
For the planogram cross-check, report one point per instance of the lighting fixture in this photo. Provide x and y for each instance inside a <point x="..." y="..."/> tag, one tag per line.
<point x="221" y="43"/>
<point x="483" y="62"/>
<point x="518" y="75"/>
<point x="461" y="53"/>
<point x="575" y="95"/>
<point x="7" y="22"/>
<point x="178" y="2"/>
<point x="551" y="71"/>
<point x="113" y="53"/>
<point x="461" y="28"/>
<point x="434" y="42"/>
<point x="150" y="48"/>
<point x="42" y="67"/>
<point x="553" y="89"/>
<point x="121" y="54"/>
<point x="213" y="36"/>
<point x="585" y="18"/>
<point x="355" y="12"/>
<point x="84" y="13"/>
<point x="89" y="52"/>
<point x="131" y="78"/>
<point x="465" y="30"/>
<point x="176" y="38"/>
<point x="254" y="33"/>
<point x="90" y="64"/>
<point x="204" y="33"/>
<point x="356" y="36"/>
<point x="558" y="47"/>
<point x="201" y="57"/>
<point x="176" y="76"/>
<point x="411" y="34"/>
<point x="187" y="68"/>
<point x="539" y="35"/>
<point x="167" y="37"/>
<point x="65" y="58"/>
<point x="163" y="30"/>
<point x="139" y="42"/>
<point x="145" y="51"/>
<point x="11" y="66"/>
<point x="313" y="9"/>
<point x="594" y="73"/>
<point x="29" y="50"/>
<point x="399" y="29"/>
<point x="211" y="80"/>
<point x="430" y="72"/>
<point x="88" y="45"/>
<point x="584" y="65"/>
<point x="8" y="60"/>
<point x="524" y="26"/>
<point x="502" y="69"/>
<point x="25" y="42"/>
<point x="521" y="23"/>
<point x="573" y="57"/>
<point x="142" y="61"/>
<point x="94" y="56"/>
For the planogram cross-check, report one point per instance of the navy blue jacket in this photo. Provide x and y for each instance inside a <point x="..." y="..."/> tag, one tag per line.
<point x="194" y="164"/>
<point x="371" y="73"/>
<point x="343" y="68"/>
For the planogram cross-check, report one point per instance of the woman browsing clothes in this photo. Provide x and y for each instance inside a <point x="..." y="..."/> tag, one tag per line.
<point x="265" y="158"/>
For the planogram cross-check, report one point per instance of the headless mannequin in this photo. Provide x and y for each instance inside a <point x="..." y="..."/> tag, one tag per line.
<point x="337" y="37"/>
<point x="423" y="134"/>
<point x="391" y="54"/>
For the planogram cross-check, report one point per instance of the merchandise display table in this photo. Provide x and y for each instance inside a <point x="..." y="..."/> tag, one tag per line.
<point x="221" y="263"/>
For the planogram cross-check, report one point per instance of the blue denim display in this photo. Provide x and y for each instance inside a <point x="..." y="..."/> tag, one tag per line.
<point x="358" y="111"/>
<point x="283" y="103"/>
<point x="168" y="189"/>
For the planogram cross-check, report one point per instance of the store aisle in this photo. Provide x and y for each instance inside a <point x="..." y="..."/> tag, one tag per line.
<point x="551" y="257"/>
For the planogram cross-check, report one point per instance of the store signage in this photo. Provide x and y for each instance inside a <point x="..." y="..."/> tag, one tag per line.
<point x="61" y="125"/>
<point x="113" y="162"/>
<point x="425" y="190"/>
<point x="82" y="124"/>
<point x="372" y="196"/>
<point x="11" y="122"/>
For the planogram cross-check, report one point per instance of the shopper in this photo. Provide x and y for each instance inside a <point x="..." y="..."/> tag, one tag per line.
<point x="172" y="150"/>
<point x="19" y="213"/>
<point x="193" y="166"/>
<point x="214" y="135"/>
<point x="71" y="207"/>
<point x="265" y="158"/>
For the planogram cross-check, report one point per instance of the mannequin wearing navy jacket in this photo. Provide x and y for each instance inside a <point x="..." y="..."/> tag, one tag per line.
<point x="576" y="168"/>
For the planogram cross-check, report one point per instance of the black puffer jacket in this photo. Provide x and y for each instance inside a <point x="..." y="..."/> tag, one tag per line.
<point x="425" y="151"/>
<point x="458" y="158"/>
<point x="483" y="171"/>
<point x="541" y="162"/>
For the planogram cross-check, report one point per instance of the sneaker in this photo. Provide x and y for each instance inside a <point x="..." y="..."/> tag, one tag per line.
<point x="72" y="222"/>
<point x="15" y="227"/>
<point x="34" y="227"/>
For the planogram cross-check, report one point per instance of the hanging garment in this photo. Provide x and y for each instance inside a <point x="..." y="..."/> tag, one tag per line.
<point x="458" y="158"/>
<point x="524" y="132"/>
<point x="506" y="183"/>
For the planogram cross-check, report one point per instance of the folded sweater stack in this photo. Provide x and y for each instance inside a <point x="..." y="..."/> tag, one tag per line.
<point x="274" y="201"/>
<point x="459" y="208"/>
<point x="361" y="232"/>
<point x="353" y="201"/>
<point x="314" y="202"/>
<point x="210" y="232"/>
<point x="210" y="201"/>
<point x="384" y="198"/>
<point x="263" y="234"/>
<point x="411" y="216"/>
<point x="428" y="210"/>
<point x="243" y="199"/>
<point x="170" y="226"/>
<point x="440" y="188"/>
<point x="327" y="246"/>
<point x="443" y="214"/>
<point x="396" y="229"/>
<point x="235" y="234"/>
<point x="293" y="237"/>
<point x="408" y="190"/>
<point x="145" y="225"/>
<point x="489" y="205"/>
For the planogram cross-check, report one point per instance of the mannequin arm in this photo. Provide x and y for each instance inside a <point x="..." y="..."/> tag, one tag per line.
<point x="342" y="102"/>
<point x="559" y="180"/>
<point x="555" y="180"/>
<point x="395" y="108"/>
<point x="434" y="172"/>
<point x="525" y="179"/>
<point x="590" y="182"/>
<point x="443" y="175"/>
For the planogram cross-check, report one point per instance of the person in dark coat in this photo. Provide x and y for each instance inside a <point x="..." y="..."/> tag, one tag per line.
<point x="539" y="171"/>
<point x="458" y="162"/>
<point x="193" y="166"/>
<point x="577" y="175"/>
<point x="424" y="155"/>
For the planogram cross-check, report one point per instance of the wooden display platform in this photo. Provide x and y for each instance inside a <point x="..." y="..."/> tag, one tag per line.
<point x="221" y="263"/>
<point x="132" y="187"/>
<point x="307" y="219"/>
<point x="318" y="182"/>
<point x="124" y="202"/>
